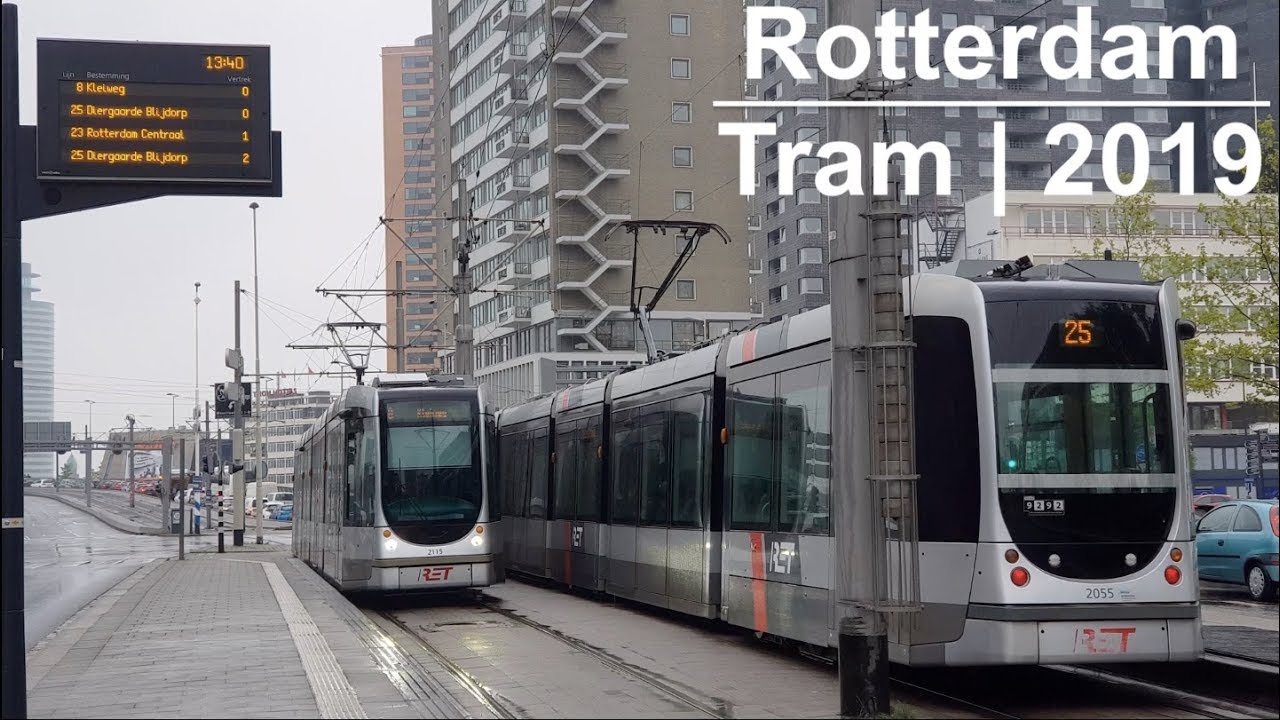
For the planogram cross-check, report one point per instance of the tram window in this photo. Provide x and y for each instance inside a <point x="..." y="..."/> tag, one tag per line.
<point x="538" y="477"/>
<point x="1048" y="428"/>
<point x="588" y="441"/>
<point x="627" y="447"/>
<point x="565" y="487"/>
<point x="805" y="395"/>
<point x="752" y="441"/>
<point x="1036" y="333"/>
<point x="522" y="471"/>
<point x="369" y="471"/>
<point x="492" y="468"/>
<point x="947" y="455"/>
<point x="351" y="470"/>
<point x="514" y="463"/>
<point x="687" y="442"/>
<point x="655" y="473"/>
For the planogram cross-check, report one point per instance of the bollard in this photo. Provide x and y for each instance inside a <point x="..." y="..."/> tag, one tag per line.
<point x="221" y="546"/>
<point x="195" y="513"/>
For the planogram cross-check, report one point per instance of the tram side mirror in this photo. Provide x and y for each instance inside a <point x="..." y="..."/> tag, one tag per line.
<point x="1185" y="329"/>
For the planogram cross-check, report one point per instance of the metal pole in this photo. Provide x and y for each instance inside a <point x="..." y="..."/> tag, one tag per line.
<point x="208" y="481"/>
<point x="221" y="480"/>
<point x="464" y="355"/>
<point x="862" y="644"/>
<point x="237" y="441"/>
<point x="166" y="454"/>
<point x="400" y="333"/>
<point x="88" y="469"/>
<point x="13" y="656"/>
<point x="257" y="389"/>
<point x="131" y="481"/>
<point x="88" y="455"/>
<point x="182" y="498"/>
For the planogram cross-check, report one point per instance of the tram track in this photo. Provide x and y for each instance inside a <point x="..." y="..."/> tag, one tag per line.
<point x="501" y="706"/>
<point x="712" y="707"/>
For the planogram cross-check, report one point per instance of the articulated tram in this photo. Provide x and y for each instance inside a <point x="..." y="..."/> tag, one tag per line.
<point x="1053" y="505"/>
<point x="393" y="488"/>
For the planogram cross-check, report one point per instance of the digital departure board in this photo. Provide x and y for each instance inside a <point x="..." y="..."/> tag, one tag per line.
<point x="153" y="112"/>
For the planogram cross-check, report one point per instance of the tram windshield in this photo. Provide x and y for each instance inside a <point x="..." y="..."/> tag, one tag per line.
<point x="431" y="462"/>
<point x="1050" y="428"/>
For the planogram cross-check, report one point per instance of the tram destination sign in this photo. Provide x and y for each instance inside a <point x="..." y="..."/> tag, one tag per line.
<point x="151" y="112"/>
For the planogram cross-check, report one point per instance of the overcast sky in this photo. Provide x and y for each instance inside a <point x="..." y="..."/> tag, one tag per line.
<point x="122" y="278"/>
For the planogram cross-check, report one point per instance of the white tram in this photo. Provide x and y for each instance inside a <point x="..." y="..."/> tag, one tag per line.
<point x="393" y="488"/>
<point x="1053" y="502"/>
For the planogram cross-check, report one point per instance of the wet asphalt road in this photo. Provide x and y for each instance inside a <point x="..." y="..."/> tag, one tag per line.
<point x="71" y="558"/>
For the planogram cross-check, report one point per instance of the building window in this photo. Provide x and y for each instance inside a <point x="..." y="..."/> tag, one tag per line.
<point x="681" y="68"/>
<point x="811" y="256"/>
<point x="777" y="294"/>
<point x="953" y="138"/>
<point x="953" y="112"/>
<point x="682" y="157"/>
<point x="679" y="24"/>
<point x="809" y="196"/>
<point x="686" y="290"/>
<point x="683" y="201"/>
<point x="421" y="78"/>
<point x="809" y="225"/>
<point x="681" y="112"/>
<point x="812" y="286"/>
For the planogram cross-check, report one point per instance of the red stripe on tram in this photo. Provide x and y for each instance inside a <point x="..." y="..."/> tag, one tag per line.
<point x="749" y="346"/>
<point x="758" y="595"/>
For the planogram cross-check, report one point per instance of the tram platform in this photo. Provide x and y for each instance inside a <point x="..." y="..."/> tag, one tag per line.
<point x="248" y="633"/>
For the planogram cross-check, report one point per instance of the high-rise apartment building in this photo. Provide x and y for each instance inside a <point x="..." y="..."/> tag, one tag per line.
<point x="37" y="371"/>
<point x="287" y="413"/>
<point x="1256" y="24"/>
<point x="793" y="276"/>
<point x="415" y="321"/>
<point x="790" y="234"/>
<point x="565" y="118"/>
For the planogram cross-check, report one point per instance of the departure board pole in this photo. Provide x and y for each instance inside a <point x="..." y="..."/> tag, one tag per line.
<point x="13" y="658"/>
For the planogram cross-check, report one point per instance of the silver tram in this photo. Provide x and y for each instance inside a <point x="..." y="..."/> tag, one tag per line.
<point x="393" y="488"/>
<point x="1053" y="503"/>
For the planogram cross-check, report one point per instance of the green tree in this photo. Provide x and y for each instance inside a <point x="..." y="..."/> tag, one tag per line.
<point x="69" y="471"/>
<point x="1232" y="292"/>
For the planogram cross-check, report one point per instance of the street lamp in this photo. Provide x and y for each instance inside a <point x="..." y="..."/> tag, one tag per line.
<point x="173" y="410"/>
<point x="257" y="361"/>
<point x="89" y="439"/>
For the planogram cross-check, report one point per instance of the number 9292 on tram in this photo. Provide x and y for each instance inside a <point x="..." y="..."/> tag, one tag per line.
<point x="393" y="488"/>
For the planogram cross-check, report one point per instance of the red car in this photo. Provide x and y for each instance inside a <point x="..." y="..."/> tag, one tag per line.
<point x="1202" y="504"/>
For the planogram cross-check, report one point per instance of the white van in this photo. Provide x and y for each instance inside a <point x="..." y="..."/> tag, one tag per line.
<point x="251" y="495"/>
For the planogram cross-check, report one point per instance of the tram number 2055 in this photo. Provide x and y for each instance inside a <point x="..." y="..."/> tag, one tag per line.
<point x="1099" y="593"/>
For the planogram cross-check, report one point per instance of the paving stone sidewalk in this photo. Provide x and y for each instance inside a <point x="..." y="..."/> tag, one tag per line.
<point x="215" y="635"/>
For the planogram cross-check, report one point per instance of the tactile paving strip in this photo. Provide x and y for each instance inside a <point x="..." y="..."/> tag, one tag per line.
<point x="334" y="695"/>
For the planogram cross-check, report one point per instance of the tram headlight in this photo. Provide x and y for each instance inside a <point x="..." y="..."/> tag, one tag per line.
<point x="476" y="541"/>
<point x="390" y="544"/>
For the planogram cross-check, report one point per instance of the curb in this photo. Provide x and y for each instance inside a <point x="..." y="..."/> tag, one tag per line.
<point x="111" y="519"/>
